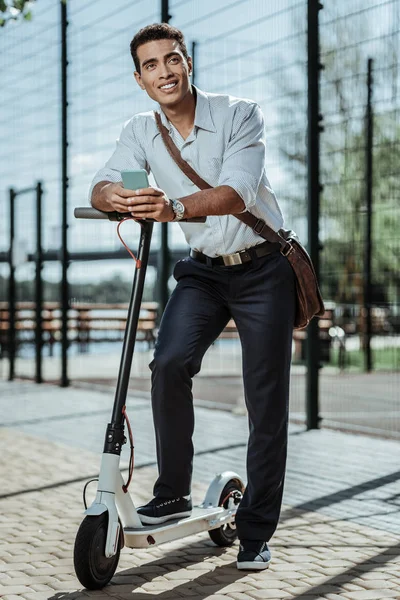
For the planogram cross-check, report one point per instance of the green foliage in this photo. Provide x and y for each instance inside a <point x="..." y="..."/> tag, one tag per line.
<point x="384" y="359"/>
<point x="15" y="10"/>
<point x="343" y="208"/>
<point x="109" y="291"/>
<point x="343" y="161"/>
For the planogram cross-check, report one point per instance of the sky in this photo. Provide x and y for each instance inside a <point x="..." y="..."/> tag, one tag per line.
<point x="248" y="48"/>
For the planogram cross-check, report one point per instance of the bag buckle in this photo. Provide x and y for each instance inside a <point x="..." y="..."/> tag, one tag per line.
<point x="257" y="225"/>
<point x="286" y="250"/>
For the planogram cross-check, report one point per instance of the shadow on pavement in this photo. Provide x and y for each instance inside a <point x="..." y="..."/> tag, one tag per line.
<point x="87" y="477"/>
<point x="345" y="494"/>
<point x="347" y="576"/>
<point x="309" y="505"/>
<point x="126" y="582"/>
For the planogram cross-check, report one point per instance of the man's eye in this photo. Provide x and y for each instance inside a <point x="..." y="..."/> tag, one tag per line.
<point x="175" y="58"/>
<point x="149" y="65"/>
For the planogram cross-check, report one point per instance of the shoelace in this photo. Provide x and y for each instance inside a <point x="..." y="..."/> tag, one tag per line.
<point x="167" y="502"/>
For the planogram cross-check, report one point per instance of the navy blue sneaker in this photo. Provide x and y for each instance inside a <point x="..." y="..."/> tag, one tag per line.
<point x="254" y="555"/>
<point x="160" y="510"/>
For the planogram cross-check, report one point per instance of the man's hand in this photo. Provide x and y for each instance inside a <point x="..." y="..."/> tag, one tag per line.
<point x="150" y="203"/>
<point x="112" y="196"/>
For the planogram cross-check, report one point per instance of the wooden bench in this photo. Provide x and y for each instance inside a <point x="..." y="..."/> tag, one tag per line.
<point x="85" y="322"/>
<point x="90" y="323"/>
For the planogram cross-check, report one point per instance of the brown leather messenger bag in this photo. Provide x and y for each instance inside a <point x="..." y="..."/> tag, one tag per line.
<point x="309" y="299"/>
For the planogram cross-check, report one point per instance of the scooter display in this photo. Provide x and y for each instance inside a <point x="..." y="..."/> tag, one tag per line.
<point x="112" y="520"/>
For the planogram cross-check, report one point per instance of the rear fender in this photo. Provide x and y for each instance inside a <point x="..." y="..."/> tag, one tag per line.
<point x="217" y="485"/>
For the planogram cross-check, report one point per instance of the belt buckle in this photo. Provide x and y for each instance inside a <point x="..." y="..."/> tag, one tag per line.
<point x="232" y="259"/>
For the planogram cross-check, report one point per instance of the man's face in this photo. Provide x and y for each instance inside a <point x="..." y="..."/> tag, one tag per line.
<point x="164" y="71"/>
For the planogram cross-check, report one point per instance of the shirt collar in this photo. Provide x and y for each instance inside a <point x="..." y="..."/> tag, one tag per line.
<point x="202" y="117"/>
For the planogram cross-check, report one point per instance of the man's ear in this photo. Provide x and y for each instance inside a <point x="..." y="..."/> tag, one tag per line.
<point x="190" y="64"/>
<point x="139" y="80"/>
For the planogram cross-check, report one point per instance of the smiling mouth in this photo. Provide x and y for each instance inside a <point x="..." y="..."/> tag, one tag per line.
<point x="169" y="86"/>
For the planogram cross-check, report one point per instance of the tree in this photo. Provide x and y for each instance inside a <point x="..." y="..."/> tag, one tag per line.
<point x="14" y="10"/>
<point x="343" y="156"/>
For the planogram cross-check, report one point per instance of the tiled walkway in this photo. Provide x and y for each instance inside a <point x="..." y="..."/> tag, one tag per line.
<point x="338" y="537"/>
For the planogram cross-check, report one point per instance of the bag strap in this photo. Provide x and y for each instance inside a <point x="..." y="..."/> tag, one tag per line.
<point x="259" y="226"/>
<point x="176" y="155"/>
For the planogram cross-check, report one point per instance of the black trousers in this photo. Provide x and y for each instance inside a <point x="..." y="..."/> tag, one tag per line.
<point x="260" y="296"/>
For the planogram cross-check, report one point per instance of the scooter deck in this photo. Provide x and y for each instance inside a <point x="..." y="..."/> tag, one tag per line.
<point x="201" y="519"/>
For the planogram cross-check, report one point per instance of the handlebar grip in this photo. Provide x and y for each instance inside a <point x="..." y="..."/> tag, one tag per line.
<point x="87" y="212"/>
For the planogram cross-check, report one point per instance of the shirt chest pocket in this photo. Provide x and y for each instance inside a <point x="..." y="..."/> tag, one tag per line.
<point x="210" y="168"/>
<point x="208" y="153"/>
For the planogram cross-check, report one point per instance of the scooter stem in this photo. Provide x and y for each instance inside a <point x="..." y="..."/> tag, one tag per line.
<point x="114" y="436"/>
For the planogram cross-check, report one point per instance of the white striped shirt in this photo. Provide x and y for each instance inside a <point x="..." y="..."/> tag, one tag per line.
<point x="225" y="147"/>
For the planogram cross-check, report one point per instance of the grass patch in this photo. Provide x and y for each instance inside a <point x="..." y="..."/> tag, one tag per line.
<point x="383" y="359"/>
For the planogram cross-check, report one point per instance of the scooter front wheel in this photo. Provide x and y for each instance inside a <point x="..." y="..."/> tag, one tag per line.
<point x="93" y="569"/>
<point x="227" y="534"/>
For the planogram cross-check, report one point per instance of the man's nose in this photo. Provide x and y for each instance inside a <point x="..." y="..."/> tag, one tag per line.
<point x="165" y="71"/>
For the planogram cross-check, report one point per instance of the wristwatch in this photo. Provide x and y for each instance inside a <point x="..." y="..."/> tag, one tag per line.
<point x="178" y="208"/>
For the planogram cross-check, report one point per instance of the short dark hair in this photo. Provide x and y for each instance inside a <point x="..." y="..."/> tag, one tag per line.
<point x="156" y="31"/>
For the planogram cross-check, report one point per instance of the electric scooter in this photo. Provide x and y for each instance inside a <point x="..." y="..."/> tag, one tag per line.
<point x="112" y="520"/>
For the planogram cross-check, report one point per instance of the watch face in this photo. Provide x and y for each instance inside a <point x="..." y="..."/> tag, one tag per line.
<point x="179" y="209"/>
<point x="180" y="206"/>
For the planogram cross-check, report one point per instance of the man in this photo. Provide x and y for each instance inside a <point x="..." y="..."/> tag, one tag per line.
<point x="222" y="138"/>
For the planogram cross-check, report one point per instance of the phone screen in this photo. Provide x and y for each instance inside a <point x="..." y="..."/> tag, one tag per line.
<point x="135" y="180"/>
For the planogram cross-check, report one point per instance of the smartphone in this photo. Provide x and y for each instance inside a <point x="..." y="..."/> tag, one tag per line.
<point x="135" y="180"/>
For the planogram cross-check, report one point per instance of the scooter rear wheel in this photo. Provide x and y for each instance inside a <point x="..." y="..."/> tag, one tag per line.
<point x="93" y="569"/>
<point x="227" y="534"/>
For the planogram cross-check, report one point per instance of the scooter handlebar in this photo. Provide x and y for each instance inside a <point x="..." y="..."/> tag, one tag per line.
<point x="86" y="212"/>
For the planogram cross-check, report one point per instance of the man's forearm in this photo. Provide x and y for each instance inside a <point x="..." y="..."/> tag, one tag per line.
<point x="98" y="199"/>
<point x="221" y="200"/>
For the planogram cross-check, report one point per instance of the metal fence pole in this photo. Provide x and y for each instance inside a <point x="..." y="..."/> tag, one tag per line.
<point x="64" y="292"/>
<point x="165" y="16"/>
<point x="368" y="226"/>
<point x="39" y="285"/>
<point x="11" y="342"/>
<point x="314" y="189"/>
<point x="163" y="255"/>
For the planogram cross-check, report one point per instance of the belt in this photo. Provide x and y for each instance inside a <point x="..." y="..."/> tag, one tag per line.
<point x="238" y="258"/>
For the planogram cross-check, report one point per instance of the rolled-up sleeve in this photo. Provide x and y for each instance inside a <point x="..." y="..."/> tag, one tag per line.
<point x="244" y="158"/>
<point x="128" y="154"/>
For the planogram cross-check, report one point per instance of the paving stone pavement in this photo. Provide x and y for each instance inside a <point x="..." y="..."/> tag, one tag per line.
<point x="341" y="475"/>
<point x="48" y="451"/>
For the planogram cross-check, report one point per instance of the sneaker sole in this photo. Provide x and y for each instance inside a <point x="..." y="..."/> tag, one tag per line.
<point x="156" y="520"/>
<point x="253" y="565"/>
